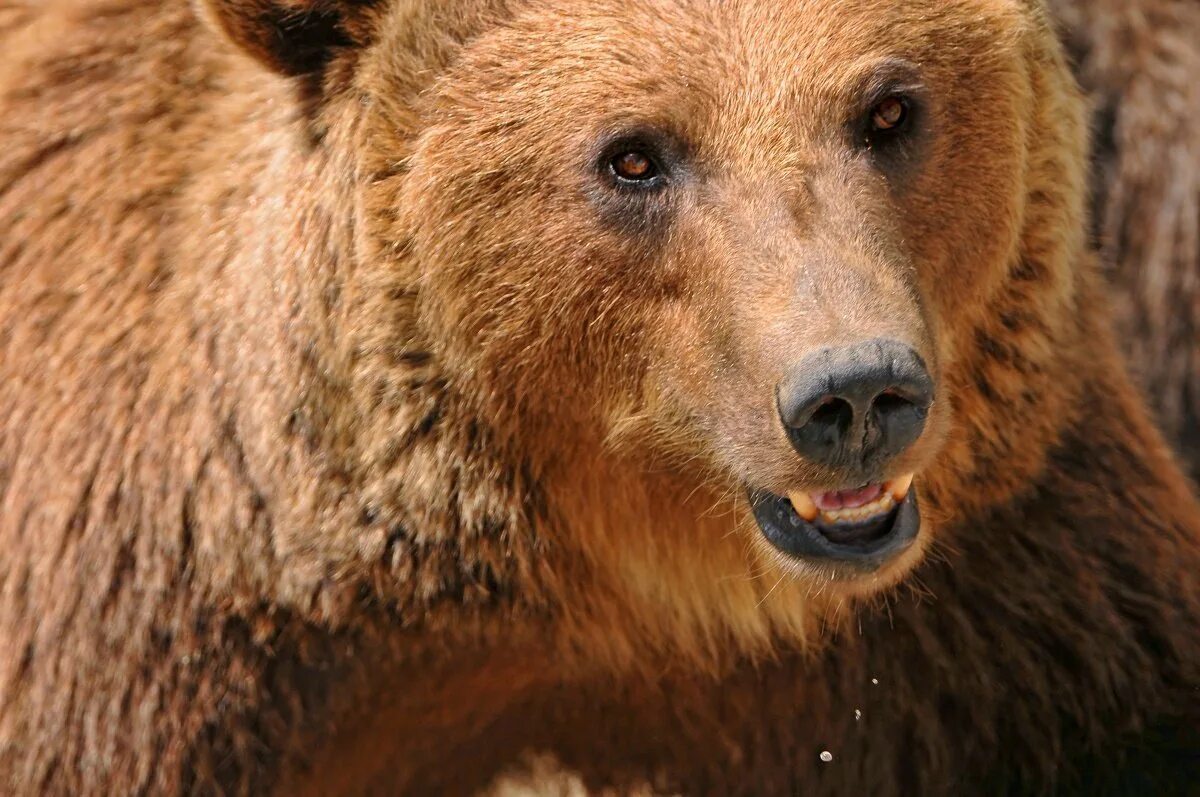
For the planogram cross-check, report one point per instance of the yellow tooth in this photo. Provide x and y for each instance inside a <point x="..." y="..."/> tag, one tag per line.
<point x="900" y="486"/>
<point x="804" y="506"/>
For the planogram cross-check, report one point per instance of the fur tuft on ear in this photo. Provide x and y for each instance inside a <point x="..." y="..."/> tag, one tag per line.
<point x="292" y="37"/>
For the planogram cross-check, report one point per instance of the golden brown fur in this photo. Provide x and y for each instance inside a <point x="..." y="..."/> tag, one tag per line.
<point x="337" y="452"/>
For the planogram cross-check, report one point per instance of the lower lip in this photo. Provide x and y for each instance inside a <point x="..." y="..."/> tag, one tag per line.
<point x="866" y="546"/>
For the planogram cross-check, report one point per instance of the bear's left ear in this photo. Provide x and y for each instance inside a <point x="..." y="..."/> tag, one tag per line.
<point x="292" y="37"/>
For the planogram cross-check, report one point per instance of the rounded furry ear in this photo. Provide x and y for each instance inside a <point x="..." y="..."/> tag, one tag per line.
<point x="292" y="37"/>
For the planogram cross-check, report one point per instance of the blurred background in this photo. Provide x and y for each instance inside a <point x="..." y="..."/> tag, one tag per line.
<point x="1140" y="62"/>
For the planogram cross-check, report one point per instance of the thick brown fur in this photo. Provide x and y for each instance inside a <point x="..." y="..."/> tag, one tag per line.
<point x="343" y="449"/>
<point x="1138" y="60"/>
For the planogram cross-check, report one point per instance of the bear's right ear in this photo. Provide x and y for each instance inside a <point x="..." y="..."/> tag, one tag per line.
<point x="292" y="37"/>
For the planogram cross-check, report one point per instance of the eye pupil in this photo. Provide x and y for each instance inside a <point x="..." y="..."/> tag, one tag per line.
<point x="633" y="166"/>
<point x="889" y="114"/>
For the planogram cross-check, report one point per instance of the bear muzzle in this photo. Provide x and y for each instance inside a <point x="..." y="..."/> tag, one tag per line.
<point x="854" y="410"/>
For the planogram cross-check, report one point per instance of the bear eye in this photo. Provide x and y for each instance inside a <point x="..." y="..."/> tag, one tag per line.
<point x="633" y="166"/>
<point x="889" y="114"/>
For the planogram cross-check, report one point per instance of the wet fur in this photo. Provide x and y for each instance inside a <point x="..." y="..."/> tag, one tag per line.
<point x="222" y="575"/>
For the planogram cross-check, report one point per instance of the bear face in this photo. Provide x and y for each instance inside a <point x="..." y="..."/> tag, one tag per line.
<point x="644" y="321"/>
<point x="655" y="235"/>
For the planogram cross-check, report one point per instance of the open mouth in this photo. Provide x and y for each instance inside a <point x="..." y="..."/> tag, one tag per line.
<point x="864" y="526"/>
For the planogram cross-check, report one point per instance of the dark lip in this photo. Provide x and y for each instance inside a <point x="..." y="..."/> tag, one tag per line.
<point x="863" y="546"/>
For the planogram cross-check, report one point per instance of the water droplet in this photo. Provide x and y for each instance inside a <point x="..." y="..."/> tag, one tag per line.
<point x="875" y="681"/>
<point x="826" y="756"/>
<point x="857" y="715"/>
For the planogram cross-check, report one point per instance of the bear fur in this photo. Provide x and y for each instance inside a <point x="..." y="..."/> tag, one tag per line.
<point x="336" y="457"/>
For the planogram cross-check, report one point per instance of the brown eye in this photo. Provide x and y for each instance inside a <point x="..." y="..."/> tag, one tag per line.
<point x="890" y="114"/>
<point x="634" y="167"/>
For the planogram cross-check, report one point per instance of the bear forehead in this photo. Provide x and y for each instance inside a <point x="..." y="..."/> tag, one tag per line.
<point x="692" y="60"/>
<point x="738" y="38"/>
<point x="745" y="82"/>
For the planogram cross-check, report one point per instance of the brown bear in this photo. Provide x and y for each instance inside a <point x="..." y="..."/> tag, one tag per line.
<point x="1139" y="60"/>
<point x="703" y="397"/>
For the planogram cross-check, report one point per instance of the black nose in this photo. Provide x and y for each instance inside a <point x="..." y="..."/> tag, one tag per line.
<point x="857" y="406"/>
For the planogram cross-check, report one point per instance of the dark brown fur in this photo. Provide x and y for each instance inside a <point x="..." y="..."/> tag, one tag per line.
<point x="282" y="507"/>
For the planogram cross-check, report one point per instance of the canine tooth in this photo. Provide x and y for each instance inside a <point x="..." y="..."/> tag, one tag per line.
<point x="900" y="487"/>
<point x="804" y="505"/>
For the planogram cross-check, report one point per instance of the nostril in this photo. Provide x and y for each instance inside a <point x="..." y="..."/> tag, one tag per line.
<point x="828" y="424"/>
<point x="889" y="401"/>
<point x="899" y="419"/>
<point x="833" y="413"/>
